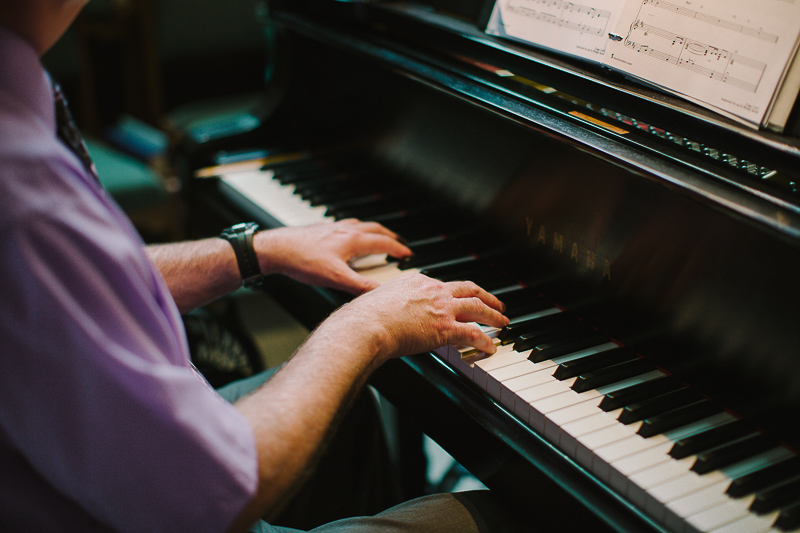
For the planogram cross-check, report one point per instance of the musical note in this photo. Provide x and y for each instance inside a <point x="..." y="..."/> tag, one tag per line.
<point x="583" y="19"/>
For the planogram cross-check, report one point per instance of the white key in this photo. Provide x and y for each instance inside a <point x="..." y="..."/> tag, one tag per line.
<point x="643" y="460"/>
<point x="587" y="444"/>
<point x="751" y="523"/>
<point x="680" y="486"/>
<point x="659" y="474"/>
<point x="549" y="389"/>
<point x="513" y="386"/>
<point x="504" y="356"/>
<point x="276" y="199"/>
<point x="541" y="408"/>
<point x="719" y="516"/>
<point x="700" y="500"/>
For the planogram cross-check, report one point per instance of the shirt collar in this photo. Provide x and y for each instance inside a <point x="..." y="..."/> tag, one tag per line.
<point x="22" y="75"/>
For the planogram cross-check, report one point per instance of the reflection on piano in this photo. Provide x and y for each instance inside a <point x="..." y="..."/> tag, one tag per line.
<point x="650" y="370"/>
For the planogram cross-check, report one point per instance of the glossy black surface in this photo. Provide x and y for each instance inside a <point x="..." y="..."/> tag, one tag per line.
<point x="686" y="260"/>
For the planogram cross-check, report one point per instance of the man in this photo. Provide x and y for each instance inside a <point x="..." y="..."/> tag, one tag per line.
<point x="104" y="424"/>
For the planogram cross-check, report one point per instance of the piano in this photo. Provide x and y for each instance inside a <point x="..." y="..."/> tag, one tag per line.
<point x="647" y="249"/>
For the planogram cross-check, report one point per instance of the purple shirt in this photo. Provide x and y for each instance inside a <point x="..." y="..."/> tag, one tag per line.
<point x="104" y="424"/>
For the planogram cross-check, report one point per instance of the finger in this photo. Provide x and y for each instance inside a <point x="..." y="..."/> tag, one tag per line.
<point x="375" y="243"/>
<point x="468" y="289"/>
<point x="375" y="227"/>
<point x="475" y="310"/>
<point x="471" y="335"/>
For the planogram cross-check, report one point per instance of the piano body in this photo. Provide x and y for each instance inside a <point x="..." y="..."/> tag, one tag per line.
<point x="648" y="249"/>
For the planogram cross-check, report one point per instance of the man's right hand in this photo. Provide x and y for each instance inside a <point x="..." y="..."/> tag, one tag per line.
<point x="415" y="313"/>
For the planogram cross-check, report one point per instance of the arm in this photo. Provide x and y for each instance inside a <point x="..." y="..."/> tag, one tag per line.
<point x="297" y="410"/>
<point x="198" y="272"/>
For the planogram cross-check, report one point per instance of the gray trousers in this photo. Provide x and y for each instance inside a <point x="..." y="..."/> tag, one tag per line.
<point x="464" y="512"/>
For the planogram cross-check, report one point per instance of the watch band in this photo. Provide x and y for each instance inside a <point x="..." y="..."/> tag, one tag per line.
<point x="241" y="238"/>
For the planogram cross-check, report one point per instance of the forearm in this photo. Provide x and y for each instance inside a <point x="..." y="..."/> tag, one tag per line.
<point x="295" y="415"/>
<point x="196" y="272"/>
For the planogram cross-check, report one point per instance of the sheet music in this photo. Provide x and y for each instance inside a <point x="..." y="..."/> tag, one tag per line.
<point x="577" y="28"/>
<point x="729" y="54"/>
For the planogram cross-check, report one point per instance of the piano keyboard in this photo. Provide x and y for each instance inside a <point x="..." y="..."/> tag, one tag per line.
<point x="682" y="458"/>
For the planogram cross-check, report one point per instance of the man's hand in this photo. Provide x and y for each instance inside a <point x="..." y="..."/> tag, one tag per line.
<point x="415" y="313"/>
<point x="319" y="255"/>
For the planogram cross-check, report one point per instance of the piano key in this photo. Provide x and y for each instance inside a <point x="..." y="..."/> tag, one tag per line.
<point x="772" y="475"/>
<point x="571" y="369"/>
<point x="789" y="518"/>
<point x="571" y="344"/>
<point x="565" y="329"/>
<point x="277" y="200"/>
<point x="748" y="524"/>
<point x="523" y="297"/>
<point x="719" y="516"/>
<point x="590" y="442"/>
<point x="495" y="378"/>
<point x="732" y="453"/>
<point x="629" y="447"/>
<point x="659" y="453"/>
<point x="539" y="320"/>
<point x="638" y="462"/>
<point x="694" y="493"/>
<point x="679" y="417"/>
<point x="712" y="483"/>
<point x="540" y="411"/>
<point x="712" y="438"/>
<point x="365" y="209"/>
<point x="774" y="498"/>
<point x="512" y="386"/>
<point x="696" y="501"/>
<point x="639" y="392"/>
<point x="657" y="405"/>
<point x="503" y="357"/>
<point x="612" y="374"/>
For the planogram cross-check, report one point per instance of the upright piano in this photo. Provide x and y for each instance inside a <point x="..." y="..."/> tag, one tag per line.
<point x="648" y="251"/>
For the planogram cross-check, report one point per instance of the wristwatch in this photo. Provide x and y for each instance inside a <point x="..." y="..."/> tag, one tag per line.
<point x="241" y="238"/>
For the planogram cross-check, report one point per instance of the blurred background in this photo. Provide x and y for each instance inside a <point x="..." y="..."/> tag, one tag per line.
<point x="142" y="75"/>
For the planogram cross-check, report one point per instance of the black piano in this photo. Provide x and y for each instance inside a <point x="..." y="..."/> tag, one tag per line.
<point x="648" y="251"/>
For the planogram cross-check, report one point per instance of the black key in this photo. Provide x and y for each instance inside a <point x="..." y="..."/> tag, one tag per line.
<point x="330" y="182"/>
<point x="370" y="209"/>
<point x="711" y="438"/>
<point x="785" y="495"/>
<point x="789" y="518"/>
<point x="512" y="332"/>
<point x="570" y="369"/>
<point x="528" y="341"/>
<point x="657" y="405"/>
<point x="433" y="253"/>
<point x="293" y="175"/>
<point x="732" y="453"/>
<point x="678" y="418"/>
<point x="640" y="391"/>
<point x="420" y="224"/>
<point x="773" y="474"/>
<point x="479" y="271"/>
<point x="571" y="344"/>
<point x="520" y="309"/>
<point x="359" y="199"/>
<point x="612" y="374"/>
<point x="338" y="193"/>
<point x="459" y="271"/>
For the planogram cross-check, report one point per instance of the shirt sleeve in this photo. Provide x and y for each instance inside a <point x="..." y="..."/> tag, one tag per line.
<point x="95" y="382"/>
